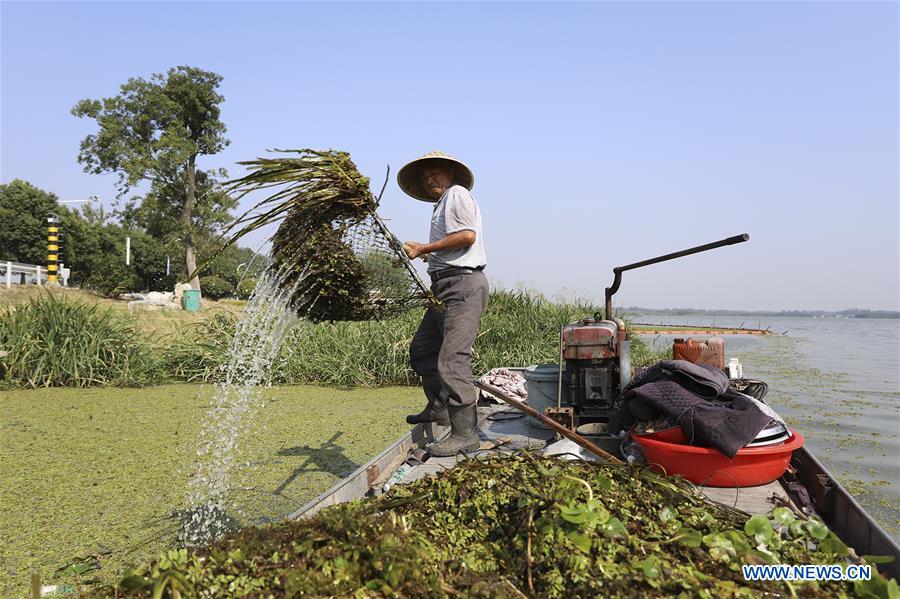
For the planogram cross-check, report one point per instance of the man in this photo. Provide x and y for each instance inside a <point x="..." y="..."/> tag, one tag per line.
<point x="441" y="350"/>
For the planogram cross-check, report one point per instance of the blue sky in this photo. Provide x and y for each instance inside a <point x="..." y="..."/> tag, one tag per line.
<point x="600" y="133"/>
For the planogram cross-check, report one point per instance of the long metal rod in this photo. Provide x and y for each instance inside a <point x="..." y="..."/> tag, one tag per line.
<point x="560" y="377"/>
<point x="617" y="271"/>
<point x="572" y="436"/>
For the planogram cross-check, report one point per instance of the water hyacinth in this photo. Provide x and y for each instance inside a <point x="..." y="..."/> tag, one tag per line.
<point x="332" y="250"/>
<point x="514" y="526"/>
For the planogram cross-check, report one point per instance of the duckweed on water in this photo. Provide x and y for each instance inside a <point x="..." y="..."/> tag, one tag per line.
<point x="835" y="430"/>
<point x="103" y="471"/>
<point x="511" y="527"/>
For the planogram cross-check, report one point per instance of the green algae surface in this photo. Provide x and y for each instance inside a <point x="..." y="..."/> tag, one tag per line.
<point x="95" y="478"/>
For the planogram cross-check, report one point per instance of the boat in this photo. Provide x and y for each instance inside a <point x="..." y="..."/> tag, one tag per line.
<point x="501" y="431"/>
<point x="595" y="354"/>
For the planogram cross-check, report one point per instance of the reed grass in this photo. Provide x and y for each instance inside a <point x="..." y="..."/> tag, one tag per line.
<point x="518" y="328"/>
<point x="198" y="351"/>
<point x="55" y="341"/>
<point x="150" y="322"/>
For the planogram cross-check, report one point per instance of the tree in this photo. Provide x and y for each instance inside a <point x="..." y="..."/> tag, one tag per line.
<point x="154" y="131"/>
<point x="23" y="213"/>
<point x="158" y="213"/>
<point x="95" y="251"/>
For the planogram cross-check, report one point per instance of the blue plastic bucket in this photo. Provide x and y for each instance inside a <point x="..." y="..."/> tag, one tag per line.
<point x="542" y="385"/>
<point x="190" y="301"/>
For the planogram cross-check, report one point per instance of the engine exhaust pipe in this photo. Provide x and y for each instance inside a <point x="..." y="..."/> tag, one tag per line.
<point x="617" y="271"/>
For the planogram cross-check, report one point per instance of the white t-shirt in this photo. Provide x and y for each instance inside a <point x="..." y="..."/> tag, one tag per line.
<point x="456" y="211"/>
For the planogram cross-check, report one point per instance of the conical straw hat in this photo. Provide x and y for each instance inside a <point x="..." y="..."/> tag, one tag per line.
<point x="410" y="176"/>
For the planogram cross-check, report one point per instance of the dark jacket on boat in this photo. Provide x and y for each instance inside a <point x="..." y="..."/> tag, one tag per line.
<point x="697" y="397"/>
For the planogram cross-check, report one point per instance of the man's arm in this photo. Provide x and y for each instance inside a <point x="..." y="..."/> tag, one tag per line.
<point x="460" y="239"/>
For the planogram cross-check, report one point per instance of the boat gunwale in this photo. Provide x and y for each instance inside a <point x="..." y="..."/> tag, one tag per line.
<point x="418" y="436"/>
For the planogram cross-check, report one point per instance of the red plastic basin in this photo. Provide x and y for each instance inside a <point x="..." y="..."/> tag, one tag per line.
<point x="673" y="434"/>
<point x="750" y="467"/>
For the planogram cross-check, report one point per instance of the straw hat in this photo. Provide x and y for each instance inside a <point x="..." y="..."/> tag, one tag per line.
<point x="410" y="176"/>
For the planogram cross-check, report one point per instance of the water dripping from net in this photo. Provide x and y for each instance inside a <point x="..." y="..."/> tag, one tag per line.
<point x="268" y="318"/>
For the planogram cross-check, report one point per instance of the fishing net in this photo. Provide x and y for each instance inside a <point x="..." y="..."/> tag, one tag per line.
<point x="332" y="252"/>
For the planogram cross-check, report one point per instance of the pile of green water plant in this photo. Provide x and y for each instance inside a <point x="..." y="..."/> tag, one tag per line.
<point x="52" y="342"/>
<point x="331" y="253"/>
<point x="512" y="526"/>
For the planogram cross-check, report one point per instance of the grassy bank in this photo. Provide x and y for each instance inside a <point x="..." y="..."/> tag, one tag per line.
<point x="63" y="340"/>
<point x="102" y="471"/>
<point x="150" y="323"/>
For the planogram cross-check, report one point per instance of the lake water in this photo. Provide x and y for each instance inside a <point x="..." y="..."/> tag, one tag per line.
<point x="837" y="380"/>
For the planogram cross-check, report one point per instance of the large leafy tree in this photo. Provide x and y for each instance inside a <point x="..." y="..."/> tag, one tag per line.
<point x="159" y="214"/>
<point x="154" y="131"/>
<point x="23" y="222"/>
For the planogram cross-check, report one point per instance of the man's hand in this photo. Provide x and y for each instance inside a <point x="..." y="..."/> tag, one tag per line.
<point x="414" y="250"/>
<point x="460" y="239"/>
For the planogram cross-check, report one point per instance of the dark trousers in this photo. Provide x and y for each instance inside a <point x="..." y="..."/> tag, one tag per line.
<point x="441" y="349"/>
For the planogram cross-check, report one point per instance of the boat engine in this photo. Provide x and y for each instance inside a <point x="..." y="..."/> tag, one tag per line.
<point x="597" y="357"/>
<point x="596" y="354"/>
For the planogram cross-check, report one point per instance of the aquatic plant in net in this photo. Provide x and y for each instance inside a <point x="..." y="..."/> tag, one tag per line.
<point x="331" y="250"/>
<point x="332" y="259"/>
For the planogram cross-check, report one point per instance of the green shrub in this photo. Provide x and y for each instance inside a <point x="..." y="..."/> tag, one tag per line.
<point x="114" y="280"/>
<point x="215" y="287"/>
<point x="245" y="288"/>
<point x="64" y="343"/>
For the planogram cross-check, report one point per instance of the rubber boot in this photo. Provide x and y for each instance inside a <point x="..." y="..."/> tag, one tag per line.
<point x="435" y="410"/>
<point x="463" y="433"/>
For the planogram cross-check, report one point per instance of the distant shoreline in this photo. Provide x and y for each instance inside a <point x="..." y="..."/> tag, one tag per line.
<point x="852" y="313"/>
<point x="642" y="328"/>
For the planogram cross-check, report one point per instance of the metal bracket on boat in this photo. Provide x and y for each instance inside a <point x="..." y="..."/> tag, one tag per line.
<point x="564" y="416"/>
<point x="824" y="496"/>
<point x="372" y="474"/>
